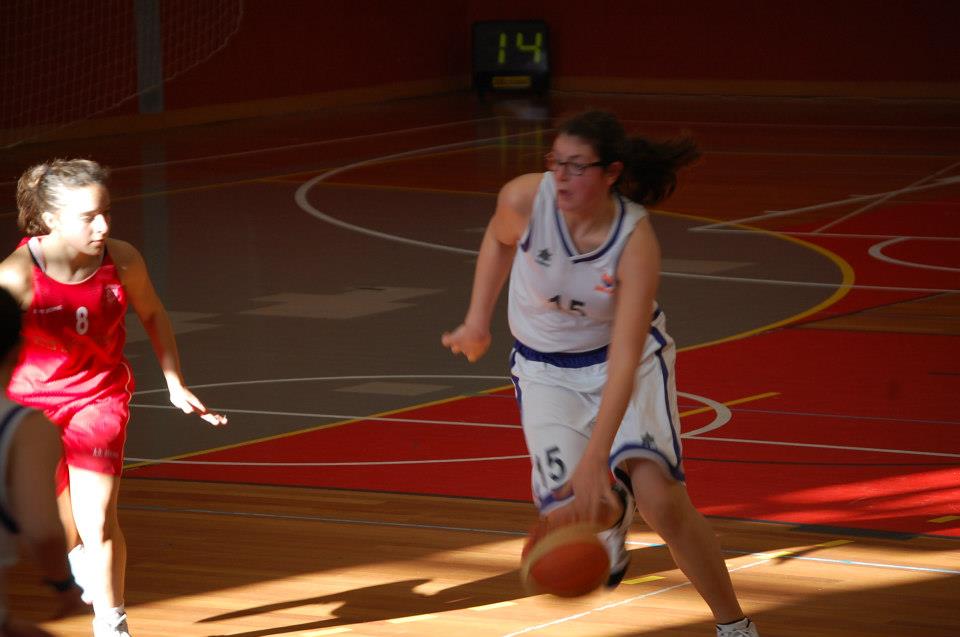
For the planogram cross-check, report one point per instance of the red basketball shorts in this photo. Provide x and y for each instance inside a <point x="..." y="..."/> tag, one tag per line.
<point x="93" y="434"/>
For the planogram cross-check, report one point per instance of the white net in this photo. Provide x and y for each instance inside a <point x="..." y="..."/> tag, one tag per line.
<point x="62" y="61"/>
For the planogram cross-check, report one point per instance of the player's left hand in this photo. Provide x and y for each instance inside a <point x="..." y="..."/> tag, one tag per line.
<point x="184" y="400"/>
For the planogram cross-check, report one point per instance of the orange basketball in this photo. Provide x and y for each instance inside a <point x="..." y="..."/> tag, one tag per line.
<point x="568" y="561"/>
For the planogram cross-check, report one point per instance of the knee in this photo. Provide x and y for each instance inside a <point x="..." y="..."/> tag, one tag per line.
<point x="662" y="502"/>
<point x="665" y="515"/>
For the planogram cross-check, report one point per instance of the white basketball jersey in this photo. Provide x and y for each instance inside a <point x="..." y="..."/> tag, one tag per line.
<point x="559" y="300"/>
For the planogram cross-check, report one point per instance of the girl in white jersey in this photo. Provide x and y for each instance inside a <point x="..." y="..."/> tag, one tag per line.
<point x="593" y="365"/>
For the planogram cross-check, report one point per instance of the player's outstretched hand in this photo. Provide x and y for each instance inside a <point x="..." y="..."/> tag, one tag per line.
<point x="184" y="400"/>
<point x="470" y="341"/>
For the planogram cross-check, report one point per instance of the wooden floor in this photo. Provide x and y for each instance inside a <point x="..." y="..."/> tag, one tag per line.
<point x="255" y="560"/>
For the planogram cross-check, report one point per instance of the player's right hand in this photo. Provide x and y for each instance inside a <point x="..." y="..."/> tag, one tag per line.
<point x="467" y="340"/>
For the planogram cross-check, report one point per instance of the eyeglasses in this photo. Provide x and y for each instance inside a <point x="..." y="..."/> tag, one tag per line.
<point x="572" y="168"/>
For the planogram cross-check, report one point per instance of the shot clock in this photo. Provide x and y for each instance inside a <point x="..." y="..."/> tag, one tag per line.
<point x="511" y="55"/>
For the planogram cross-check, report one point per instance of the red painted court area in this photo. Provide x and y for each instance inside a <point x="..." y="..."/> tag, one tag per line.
<point x="829" y="425"/>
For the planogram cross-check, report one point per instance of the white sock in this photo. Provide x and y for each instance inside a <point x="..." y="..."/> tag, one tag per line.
<point x="78" y="566"/>
<point x="743" y="623"/>
<point x="111" y="616"/>
<point x="75" y="557"/>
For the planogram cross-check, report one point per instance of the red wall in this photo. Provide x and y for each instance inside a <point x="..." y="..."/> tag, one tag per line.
<point x="310" y="47"/>
<point x="287" y="48"/>
<point x="762" y="40"/>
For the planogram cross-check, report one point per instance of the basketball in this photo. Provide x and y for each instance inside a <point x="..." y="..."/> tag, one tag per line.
<point x="568" y="561"/>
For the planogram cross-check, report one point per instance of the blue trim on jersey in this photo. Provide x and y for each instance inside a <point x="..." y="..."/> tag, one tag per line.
<point x="517" y="392"/>
<point x="611" y="240"/>
<point x="567" y="360"/>
<point x="674" y="427"/>
<point x="562" y="231"/>
<point x="675" y="470"/>
<point x="5" y="518"/>
<point x="525" y="244"/>
<point x="575" y="360"/>
<point x="550" y="501"/>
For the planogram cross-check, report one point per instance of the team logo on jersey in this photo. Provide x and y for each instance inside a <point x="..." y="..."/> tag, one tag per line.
<point x="649" y="441"/>
<point x="113" y="293"/>
<point x="543" y="257"/>
<point x="607" y="284"/>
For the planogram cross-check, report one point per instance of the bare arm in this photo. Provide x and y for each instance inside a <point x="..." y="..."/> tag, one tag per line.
<point x="514" y="205"/>
<point x="149" y="309"/>
<point x="16" y="276"/>
<point x="637" y="279"/>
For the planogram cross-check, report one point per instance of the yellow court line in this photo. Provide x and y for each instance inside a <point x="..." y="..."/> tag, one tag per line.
<point x="641" y="580"/>
<point x="774" y="555"/>
<point x="729" y="403"/>
<point x="846" y="270"/>
<point x="945" y="518"/>
<point x="291" y="433"/>
<point x="832" y="543"/>
<point x="496" y="389"/>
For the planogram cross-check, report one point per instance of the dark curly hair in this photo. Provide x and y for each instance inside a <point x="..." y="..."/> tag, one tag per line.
<point x="649" y="167"/>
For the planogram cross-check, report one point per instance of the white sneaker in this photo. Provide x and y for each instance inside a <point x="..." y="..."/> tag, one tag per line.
<point x="115" y="628"/>
<point x="742" y="628"/>
<point x="78" y="566"/>
<point x="615" y="538"/>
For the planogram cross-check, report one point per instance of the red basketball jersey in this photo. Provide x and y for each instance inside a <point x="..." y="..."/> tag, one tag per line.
<point x="73" y="338"/>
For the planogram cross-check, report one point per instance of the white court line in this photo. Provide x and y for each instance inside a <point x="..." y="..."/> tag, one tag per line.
<point x="780" y="443"/>
<point x="776" y="412"/>
<point x="722" y="416"/>
<point x="622" y="602"/>
<point x="805" y="284"/>
<point x="771" y="214"/>
<point x="830" y="235"/>
<point x="922" y="183"/>
<point x="667" y="589"/>
<point x="462" y="529"/>
<point x="304" y="204"/>
<point x="823" y="414"/>
<point x="307" y="379"/>
<point x="416" y="421"/>
<point x="746" y="441"/>
<point x="367" y="463"/>
<point x="274" y="149"/>
<point x="322" y="142"/>
<point x="876" y="251"/>
<point x="301" y="195"/>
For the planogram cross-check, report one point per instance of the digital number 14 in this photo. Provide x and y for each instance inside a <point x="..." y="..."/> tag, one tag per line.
<point x="521" y="45"/>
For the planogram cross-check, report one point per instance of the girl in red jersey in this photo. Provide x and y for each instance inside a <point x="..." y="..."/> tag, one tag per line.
<point x="74" y="284"/>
